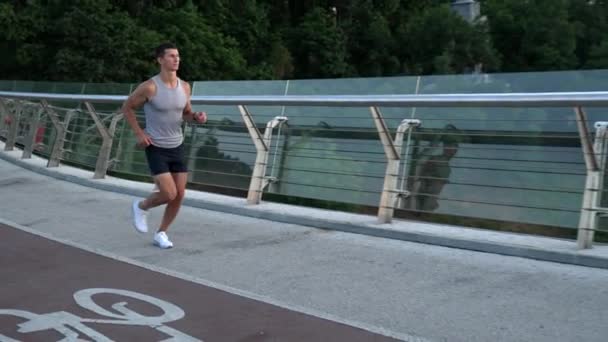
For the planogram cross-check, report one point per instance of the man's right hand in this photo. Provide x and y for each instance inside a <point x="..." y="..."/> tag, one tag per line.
<point x="143" y="140"/>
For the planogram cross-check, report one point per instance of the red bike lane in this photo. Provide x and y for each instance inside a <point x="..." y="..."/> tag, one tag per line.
<point x="50" y="291"/>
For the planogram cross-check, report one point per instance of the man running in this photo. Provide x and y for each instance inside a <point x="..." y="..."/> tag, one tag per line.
<point x="166" y="102"/>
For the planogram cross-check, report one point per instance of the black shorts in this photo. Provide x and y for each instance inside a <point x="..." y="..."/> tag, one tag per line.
<point x="162" y="160"/>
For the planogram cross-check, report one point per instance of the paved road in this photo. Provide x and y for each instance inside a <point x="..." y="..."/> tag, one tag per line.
<point x="392" y="287"/>
<point x="51" y="291"/>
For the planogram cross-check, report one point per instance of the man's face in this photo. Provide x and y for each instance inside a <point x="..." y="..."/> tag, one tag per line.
<point x="170" y="60"/>
<point x="450" y="150"/>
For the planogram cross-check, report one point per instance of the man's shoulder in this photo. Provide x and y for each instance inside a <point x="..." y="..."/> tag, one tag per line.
<point x="148" y="86"/>
<point x="185" y="86"/>
<point x="149" y="82"/>
<point x="145" y="90"/>
<point x="184" y="83"/>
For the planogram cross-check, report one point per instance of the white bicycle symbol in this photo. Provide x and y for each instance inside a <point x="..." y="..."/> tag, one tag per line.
<point x="71" y="326"/>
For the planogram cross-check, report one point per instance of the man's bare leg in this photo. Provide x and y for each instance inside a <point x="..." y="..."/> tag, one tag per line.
<point x="180" y="179"/>
<point x="166" y="192"/>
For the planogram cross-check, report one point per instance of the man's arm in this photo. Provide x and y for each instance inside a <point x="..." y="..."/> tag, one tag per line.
<point x="137" y="99"/>
<point x="188" y="114"/>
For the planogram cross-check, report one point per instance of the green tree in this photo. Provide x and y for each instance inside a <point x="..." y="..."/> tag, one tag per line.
<point x="457" y="45"/>
<point x="279" y="60"/>
<point x="598" y="56"/>
<point x="370" y="40"/>
<point x="248" y="23"/>
<point x="206" y="52"/>
<point x="532" y="35"/>
<point x="591" y="21"/>
<point x="317" y="46"/>
<point x="96" y="43"/>
<point x="111" y="40"/>
<point x="73" y="41"/>
<point x="25" y="54"/>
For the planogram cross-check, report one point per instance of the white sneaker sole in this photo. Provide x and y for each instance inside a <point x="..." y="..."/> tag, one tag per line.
<point x="161" y="247"/>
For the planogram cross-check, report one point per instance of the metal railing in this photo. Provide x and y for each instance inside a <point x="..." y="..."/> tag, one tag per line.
<point x="594" y="149"/>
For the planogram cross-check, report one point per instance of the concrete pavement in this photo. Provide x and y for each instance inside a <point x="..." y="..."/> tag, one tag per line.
<point x="406" y="290"/>
<point x="521" y="245"/>
<point x="174" y="307"/>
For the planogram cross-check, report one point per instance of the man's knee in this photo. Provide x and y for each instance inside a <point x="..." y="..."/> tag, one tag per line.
<point x="170" y="195"/>
<point x="175" y="195"/>
<point x="179" y="195"/>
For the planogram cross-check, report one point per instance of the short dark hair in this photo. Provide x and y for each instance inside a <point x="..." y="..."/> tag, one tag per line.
<point x="160" y="50"/>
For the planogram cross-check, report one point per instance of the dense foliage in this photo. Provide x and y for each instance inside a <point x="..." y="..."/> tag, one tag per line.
<point x="112" y="40"/>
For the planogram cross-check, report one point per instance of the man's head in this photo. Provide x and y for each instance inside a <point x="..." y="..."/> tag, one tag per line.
<point x="167" y="56"/>
<point x="450" y="149"/>
<point x="451" y="139"/>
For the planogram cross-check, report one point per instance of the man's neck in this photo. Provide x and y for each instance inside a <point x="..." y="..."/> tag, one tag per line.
<point x="169" y="78"/>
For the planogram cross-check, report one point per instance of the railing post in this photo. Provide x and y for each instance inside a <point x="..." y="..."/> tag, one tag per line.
<point x="255" y="186"/>
<point x="392" y="149"/>
<point x="61" y="129"/>
<point x="590" y="209"/>
<point x="589" y="214"/>
<point x="192" y="152"/>
<point x="107" y="135"/>
<point x="601" y="148"/>
<point x="30" y="140"/>
<point x="262" y="143"/>
<point x="11" y="137"/>
<point x="274" y="185"/>
<point x="3" y="116"/>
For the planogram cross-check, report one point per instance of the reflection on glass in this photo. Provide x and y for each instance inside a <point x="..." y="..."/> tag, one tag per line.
<point x="432" y="172"/>
<point x="213" y="166"/>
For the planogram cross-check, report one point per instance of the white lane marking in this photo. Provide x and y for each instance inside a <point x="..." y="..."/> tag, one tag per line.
<point x="71" y="326"/>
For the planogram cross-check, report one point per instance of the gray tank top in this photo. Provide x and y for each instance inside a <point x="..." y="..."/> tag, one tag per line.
<point x="164" y="114"/>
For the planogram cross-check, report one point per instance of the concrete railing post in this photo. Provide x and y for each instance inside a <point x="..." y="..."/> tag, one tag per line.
<point x="107" y="135"/>
<point x="13" y="126"/>
<point x="262" y="144"/>
<point x="595" y="162"/>
<point x="392" y="149"/>
<point x="30" y="139"/>
<point x="61" y="129"/>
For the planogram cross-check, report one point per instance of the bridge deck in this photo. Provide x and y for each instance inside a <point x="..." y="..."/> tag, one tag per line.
<point x="43" y="277"/>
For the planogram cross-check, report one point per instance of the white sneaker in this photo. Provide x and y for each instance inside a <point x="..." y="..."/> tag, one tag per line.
<point x="139" y="217"/>
<point x="161" y="240"/>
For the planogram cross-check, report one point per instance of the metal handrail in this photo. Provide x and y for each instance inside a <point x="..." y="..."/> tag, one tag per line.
<point x="576" y="100"/>
<point x="556" y="99"/>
